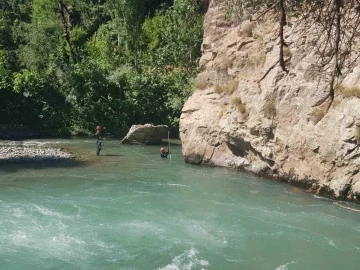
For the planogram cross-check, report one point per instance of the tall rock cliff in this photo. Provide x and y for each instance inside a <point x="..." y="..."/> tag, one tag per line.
<point x="247" y="113"/>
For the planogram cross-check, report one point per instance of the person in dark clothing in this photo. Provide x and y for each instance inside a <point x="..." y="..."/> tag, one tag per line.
<point x="163" y="153"/>
<point x="99" y="138"/>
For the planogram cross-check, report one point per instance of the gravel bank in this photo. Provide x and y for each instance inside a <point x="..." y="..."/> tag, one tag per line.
<point x="25" y="152"/>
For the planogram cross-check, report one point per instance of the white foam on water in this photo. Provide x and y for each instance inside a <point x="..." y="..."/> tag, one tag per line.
<point x="62" y="226"/>
<point x="48" y="212"/>
<point x="186" y="261"/>
<point x="221" y="203"/>
<point x="331" y="243"/>
<point x="142" y="182"/>
<point x="66" y="240"/>
<point x="19" y="236"/>
<point x="233" y="260"/>
<point x="284" y="266"/>
<point x="139" y="229"/>
<point x="178" y="185"/>
<point x="78" y="176"/>
<point x="198" y="230"/>
<point x="103" y="245"/>
<point x="321" y="197"/>
<point x="17" y="212"/>
<point x="141" y="192"/>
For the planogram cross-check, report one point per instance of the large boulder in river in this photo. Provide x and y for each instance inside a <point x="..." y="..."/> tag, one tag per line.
<point x="146" y="134"/>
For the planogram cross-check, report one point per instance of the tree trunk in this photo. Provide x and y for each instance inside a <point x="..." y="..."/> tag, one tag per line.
<point x="281" y="34"/>
<point x="337" y="69"/>
<point x="65" y="20"/>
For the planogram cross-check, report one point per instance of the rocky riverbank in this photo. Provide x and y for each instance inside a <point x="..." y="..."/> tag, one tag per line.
<point x="29" y="152"/>
<point x="247" y="113"/>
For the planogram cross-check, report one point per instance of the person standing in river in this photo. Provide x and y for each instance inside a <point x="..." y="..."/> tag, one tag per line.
<point x="99" y="139"/>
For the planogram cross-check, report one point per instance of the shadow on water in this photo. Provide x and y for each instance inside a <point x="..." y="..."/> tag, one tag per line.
<point x="111" y="155"/>
<point x="17" y="164"/>
<point x="9" y="185"/>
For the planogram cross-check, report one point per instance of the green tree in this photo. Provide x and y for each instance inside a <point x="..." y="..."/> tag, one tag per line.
<point x="78" y="63"/>
<point x="175" y="35"/>
<point x="43" y="104"/>
<point x="41" y="37"/>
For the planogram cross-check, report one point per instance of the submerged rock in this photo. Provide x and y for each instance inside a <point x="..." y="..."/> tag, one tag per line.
<point x="146" y="134"/>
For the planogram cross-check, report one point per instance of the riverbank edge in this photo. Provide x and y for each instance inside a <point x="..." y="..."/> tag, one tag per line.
<point x="25" y="152"/>
<point x="307" y="185"/>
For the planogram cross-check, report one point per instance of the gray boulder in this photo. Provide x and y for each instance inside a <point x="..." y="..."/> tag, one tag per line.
<point x="145" y="134"/>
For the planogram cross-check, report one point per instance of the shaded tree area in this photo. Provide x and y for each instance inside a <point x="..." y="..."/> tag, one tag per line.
<point x="69" y="65"/>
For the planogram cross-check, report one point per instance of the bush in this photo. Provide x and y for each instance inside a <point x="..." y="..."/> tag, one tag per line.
<point x="348" y="91"/>
<point x="287" y="52"/>
<point x="238" y="104"/>
<point x="228" y="88"/>
<point x="316" y="116"/>
<point x="94" y="98"/>
<point x="43" y="105"/>
<point x="201" y="83"/>
<point x="248" y="28"/>
<point x="224" y="65"/>
<point x="255" y="60"/>
<point x="357" y="134"/>
<point x="270" y="108"/>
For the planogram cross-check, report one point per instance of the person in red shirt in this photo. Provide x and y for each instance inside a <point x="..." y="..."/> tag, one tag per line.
<point x="99" y="139"/>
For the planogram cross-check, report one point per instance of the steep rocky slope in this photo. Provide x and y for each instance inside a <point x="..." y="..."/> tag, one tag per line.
<point x="247" y="113"/>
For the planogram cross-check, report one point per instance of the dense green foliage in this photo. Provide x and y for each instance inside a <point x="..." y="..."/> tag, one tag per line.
<point x="74" y="64"/>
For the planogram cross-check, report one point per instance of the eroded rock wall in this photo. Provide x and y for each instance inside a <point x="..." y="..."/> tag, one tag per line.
<point x="277" y="125"/>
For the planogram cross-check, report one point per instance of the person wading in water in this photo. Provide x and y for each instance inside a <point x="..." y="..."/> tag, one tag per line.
<point x="99" y="138"/>
<point x="164" y="154"/>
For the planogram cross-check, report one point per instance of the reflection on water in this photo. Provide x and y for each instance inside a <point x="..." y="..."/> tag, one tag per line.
<point x="130" y="209"/>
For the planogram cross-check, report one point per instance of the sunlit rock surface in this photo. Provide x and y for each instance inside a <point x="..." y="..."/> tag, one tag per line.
<point x="146" y="134"/>
<point x="276" y="125"/>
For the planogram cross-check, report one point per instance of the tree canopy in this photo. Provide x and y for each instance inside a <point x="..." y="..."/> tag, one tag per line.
<point x="69" y="65"/>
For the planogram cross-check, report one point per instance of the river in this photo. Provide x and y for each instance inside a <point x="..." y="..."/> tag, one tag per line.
<point x="130" y="209"/>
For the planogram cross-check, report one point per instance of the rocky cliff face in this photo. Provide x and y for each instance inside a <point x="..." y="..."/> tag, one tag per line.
<point x="248" y="114"/>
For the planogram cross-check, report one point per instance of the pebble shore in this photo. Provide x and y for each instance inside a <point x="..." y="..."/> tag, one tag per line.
<point x="25" y="152"/>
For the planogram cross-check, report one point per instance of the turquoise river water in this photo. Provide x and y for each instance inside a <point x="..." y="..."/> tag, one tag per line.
<point x="130" y="209"/>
